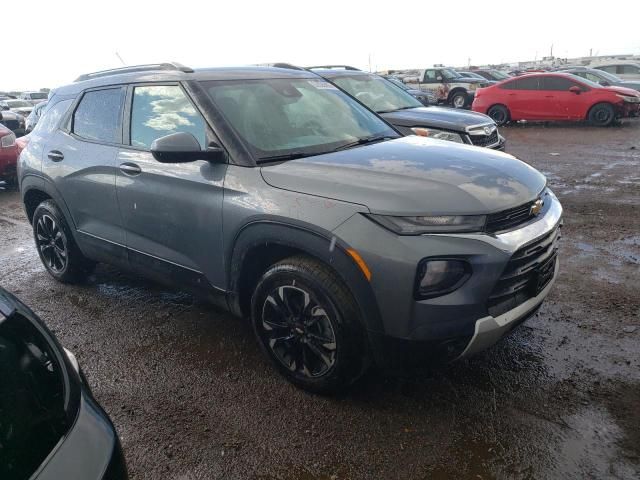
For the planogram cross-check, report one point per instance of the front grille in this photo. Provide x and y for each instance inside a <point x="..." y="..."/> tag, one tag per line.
<point x="11" y="124"/>
<point x="508" y="219"/>
<point x="484" y="140"/>
<point x="528" y="271"/>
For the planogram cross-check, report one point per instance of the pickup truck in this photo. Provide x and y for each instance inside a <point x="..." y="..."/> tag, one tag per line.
<point x="449" y="86"/>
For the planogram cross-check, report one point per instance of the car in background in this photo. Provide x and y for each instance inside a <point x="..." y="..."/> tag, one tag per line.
<point x="21" y="107"/>
<point x="556" y="96"/>
<point x="51" y="426"/>
<point x="425" y="98"/>
<point x="624" y="70"/>
<point x="449" y="86"/>
<point x="34" y="97"/>
<point x="8" y="158"/>
<point x="468" y="74"/>
<point x="13" y="121"/>
<point x="409" y="116"/>
<point x="602" y="78"/>
<point x="34" y="116"/>
<point x="492" y="74"/>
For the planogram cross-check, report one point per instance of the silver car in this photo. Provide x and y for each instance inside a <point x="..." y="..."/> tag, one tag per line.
<point x="274" y="194"/>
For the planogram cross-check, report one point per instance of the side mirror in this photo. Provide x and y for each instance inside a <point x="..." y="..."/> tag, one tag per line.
<point x="183" y="147"/>
<point x="604" y="83"/>
<point x="575" y="90"/>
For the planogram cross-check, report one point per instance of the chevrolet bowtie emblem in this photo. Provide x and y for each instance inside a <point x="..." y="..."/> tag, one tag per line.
<point x="536" y="207"/>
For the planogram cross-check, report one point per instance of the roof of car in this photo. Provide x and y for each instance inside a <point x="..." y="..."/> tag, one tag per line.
<point x="122" y="76"/>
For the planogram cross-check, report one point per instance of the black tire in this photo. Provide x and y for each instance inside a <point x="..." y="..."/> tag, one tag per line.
<point x="602" y="115"/>
<point x="55" y="244"/>
<point x="459" y="99"/>
<point x="308" y="324"/>
<point x="499" y="114"/>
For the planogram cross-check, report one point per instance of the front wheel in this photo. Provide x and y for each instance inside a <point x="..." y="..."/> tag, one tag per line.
<point x="307" y="323"/>
<point x="499" y="114"/>
<point x="459" y="100"/>
<point x="602" y="115"/>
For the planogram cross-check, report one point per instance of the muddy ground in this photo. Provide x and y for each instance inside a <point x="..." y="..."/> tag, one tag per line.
<point x="193" y="398"/>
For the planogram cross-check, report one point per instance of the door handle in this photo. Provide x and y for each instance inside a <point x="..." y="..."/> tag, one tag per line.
<point x="55" y="156"/>
<point x="130" y="169"/>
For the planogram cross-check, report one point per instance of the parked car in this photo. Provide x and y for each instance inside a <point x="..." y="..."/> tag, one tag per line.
<point x="425" y="98"/>
<point x="13" y="121"/>
<point x="34" y="97"/>
<point x="409" y="116"/>
<point x="476" y="75"/>
<point x="492" y="74"/>
<point x="449" y="86"/>
<point x="21" y="107"/>
<point x="8" y="155"/>
<point x="51" y="426"/>
<point x="34" y="116"/>
<point x="273" y="193"/>
<point x="556" y="96"/>
<point x="602" y="78"/>
<point x="624" y="70"/>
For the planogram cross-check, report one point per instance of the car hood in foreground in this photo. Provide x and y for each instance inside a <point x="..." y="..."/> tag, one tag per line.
<point x="413" y="176"/>
<point x="437" y="117"/>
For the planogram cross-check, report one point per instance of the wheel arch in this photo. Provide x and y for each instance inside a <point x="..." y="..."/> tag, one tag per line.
<point x="600" y="102"/>
<point x="35" y="190"/>
<point x="499" y="104"/>
<point x="455" y="90"/>
<point x="260" y="244"/>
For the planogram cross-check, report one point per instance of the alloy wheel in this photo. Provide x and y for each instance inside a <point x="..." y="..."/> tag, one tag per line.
<point x="459" y="101"/>
<point x="298" y="331"/>
<point x="51" y="243"/>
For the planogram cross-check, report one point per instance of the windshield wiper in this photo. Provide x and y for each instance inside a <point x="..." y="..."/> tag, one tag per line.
<point x="401" y="108"/>
<point x="286" y="156"/>
<point x="365" y="141"/>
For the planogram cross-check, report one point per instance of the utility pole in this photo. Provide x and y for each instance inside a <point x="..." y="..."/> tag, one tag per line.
<point x="591" y="52"/>
<point x="551" y="50"/>
<point x="120" y="58"/>
<point x="369" y="63"/>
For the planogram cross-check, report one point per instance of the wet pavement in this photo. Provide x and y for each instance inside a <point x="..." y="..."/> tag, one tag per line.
<point x="193" y="398"/>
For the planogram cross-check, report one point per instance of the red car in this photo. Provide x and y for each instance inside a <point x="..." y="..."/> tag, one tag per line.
<point x="8" y="155"/>
<point x="555" y="96"/>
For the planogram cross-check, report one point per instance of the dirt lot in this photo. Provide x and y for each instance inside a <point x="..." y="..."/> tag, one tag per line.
<point x="193" y="398"/>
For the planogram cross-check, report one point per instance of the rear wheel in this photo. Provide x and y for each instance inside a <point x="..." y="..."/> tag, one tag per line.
<point x="499" y="114"/>
<point x="308" y="324"/>
<point x="602" y="114"/>
<point x="459" y="100"/>
<point x="56" y="247"/>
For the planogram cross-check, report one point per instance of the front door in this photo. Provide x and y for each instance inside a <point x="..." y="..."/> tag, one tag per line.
<point x="172" y="213"/>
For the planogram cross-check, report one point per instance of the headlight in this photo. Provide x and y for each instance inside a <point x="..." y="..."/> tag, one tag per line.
<point x="8" y="141"/>
<point x="439" y="276"/>
<point x="473" y="86"/>
<point x="439" y="134"/>
<point x="628" y="98"/>
<point x="431" y="224"/>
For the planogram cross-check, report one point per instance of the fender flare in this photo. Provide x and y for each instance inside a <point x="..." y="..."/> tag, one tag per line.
<point x="313" y="241"/>
<point x="34" y="182"/>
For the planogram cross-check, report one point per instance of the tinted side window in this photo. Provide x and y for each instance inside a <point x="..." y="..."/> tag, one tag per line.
<point x="51" y="117"/>
<point x="161" y="110"/>
<point x="557" y="83"/>
<point x="628" y="69"/>
<point x="99" y="115"/>
<point x="430" y="76"/>
<point x="523" y="83"/>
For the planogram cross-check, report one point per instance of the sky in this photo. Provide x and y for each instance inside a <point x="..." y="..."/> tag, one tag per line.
<point x="57" y="40"/>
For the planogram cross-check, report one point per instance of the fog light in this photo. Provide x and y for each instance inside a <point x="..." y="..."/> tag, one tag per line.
<point x="439" y="276"/>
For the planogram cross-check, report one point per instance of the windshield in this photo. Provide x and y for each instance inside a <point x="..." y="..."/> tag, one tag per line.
<point x="293" y="116"/>
<point x="399" y="83"/>
<point x="499" y="75"/>
<point x="608" y="76"/>
<point x="377" y="93"/>
<point x="449" y="73"/>
<point x="471" y="75"/>
<point x="38" y="96"/>
<point x="18" y="103"/>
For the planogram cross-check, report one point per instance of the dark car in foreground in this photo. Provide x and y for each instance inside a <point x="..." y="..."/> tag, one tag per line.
<point x="51" y="427"/>
<point x="556" y="97"/>
<point x="412" y="118"/>
<point x="273" y="193"/>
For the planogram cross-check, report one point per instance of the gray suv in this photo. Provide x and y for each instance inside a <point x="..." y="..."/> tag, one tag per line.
<point x="274" y="194"/>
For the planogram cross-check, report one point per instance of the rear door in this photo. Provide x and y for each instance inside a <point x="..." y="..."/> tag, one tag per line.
<point x="172" y="213"/>
<point x="80" y="160"/>
<point x="524" y="98"/>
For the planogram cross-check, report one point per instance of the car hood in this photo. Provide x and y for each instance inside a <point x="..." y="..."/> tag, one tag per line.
<point x="413" y="176"/>
<point x="468" y="80"/>
<point x="623" y="91"/>
<point x="437" y="117"/>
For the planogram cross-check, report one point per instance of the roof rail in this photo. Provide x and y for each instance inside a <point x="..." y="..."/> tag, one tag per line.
<point x="286" y="65"/>
<point x="175" y="66"/>
<point x="344" y="67"/>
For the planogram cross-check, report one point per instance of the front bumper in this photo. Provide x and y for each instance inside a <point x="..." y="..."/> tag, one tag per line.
<point x="455" y="324"/>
